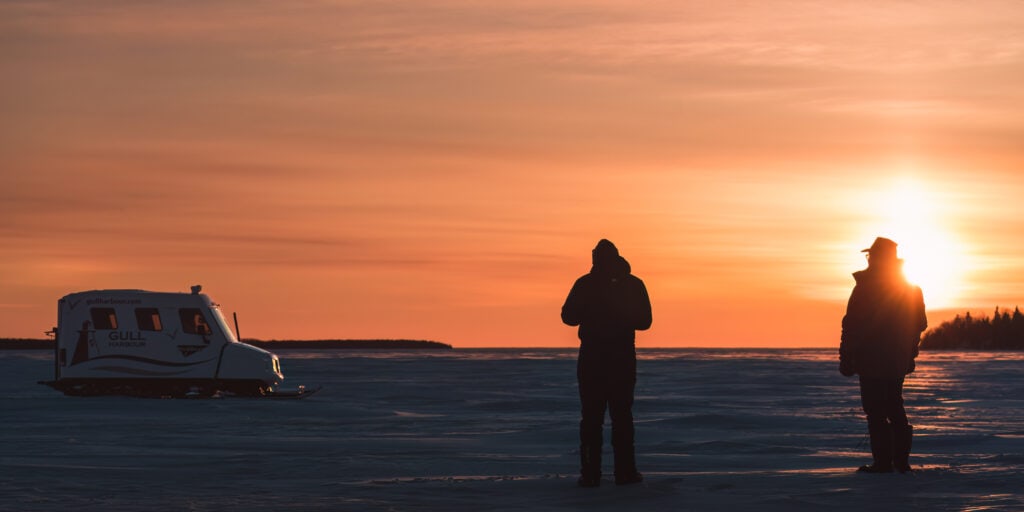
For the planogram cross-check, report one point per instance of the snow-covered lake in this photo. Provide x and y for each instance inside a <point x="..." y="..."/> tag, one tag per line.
<point x="497" y="430"/>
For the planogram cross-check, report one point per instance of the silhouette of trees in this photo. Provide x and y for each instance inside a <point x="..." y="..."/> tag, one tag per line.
<point x="1004" y="331"/>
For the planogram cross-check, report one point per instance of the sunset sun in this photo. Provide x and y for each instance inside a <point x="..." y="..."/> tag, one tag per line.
<point x="910" y="213"/>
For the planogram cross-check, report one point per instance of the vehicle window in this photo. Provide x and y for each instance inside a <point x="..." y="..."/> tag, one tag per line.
<point x="193" y="321"/>
<point x="148" y="319"/>
<point x="103" y="318"/>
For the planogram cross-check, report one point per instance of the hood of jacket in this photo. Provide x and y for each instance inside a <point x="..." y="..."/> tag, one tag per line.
<point x="608" y="262"/>
<point x="614" y="268"/>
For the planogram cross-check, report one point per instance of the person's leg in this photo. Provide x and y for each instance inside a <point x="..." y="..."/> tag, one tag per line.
<point x="620" y="407"/>
<point x="902" y="431"/>
<point x="593" y="402"/>
<point x="894" y="408"/>
<point x="874" y="397"/>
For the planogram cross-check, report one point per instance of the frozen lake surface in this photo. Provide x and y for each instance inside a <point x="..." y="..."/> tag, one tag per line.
<point x="497" y="430"/>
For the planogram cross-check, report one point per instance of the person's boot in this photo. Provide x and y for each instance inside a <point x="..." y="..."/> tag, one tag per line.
<point x="590" y="466"/>
<point x="628" y="477"/>
<point x="881" y="449"/>
<point x="902" y="439"/>
<point x="625" y="465"/>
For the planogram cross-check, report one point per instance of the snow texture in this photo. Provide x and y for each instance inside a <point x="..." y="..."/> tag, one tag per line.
<point x="497" y="430"/>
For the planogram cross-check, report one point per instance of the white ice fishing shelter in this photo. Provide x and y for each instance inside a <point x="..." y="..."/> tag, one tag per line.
<point x="154" y="343"/>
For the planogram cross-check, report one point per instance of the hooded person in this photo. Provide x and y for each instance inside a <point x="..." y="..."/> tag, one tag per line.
<point x="609" y="305"/>
<point x="881" y="333"/>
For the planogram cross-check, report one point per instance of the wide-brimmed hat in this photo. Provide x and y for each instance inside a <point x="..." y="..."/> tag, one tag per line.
<point x="882" y="247"/>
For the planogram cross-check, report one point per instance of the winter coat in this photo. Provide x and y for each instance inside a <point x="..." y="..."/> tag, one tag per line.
<point x="882" y="327"/>
<point x="609" y="304"/>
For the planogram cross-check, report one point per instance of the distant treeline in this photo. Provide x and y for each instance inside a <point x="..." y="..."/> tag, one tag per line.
<point x="32" y="344"/>
<point x="349" y="344"/>
<point x="25" y="344"/>
<point x="1004" y="331"/>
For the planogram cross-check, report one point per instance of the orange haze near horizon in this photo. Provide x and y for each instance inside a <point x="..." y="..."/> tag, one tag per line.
<point x="441" y="170"/>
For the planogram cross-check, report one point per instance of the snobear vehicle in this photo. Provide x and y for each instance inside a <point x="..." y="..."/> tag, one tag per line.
<point x="135" y="342"/>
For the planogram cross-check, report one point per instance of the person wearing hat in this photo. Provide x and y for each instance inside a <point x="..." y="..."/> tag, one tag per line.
<point x="609" y="305"/>
<point x="881" y="332"/>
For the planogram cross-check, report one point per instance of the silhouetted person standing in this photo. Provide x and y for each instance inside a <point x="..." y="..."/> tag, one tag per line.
<point x="609" y="305"/>
<point x="881" y="331"/>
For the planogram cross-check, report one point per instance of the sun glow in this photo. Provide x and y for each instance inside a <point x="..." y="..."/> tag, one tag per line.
<point x="910" y="214"/>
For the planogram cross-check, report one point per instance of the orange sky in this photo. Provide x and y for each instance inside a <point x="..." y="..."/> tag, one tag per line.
<point x="441" y="170"/>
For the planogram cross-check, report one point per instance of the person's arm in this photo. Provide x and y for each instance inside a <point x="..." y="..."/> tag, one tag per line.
<point x="642" y="308"/>
<point x="849" y="337"/>
<point x="572" y="309"/>
<point x="922" y="317"/>
<point x="921" y="322"/>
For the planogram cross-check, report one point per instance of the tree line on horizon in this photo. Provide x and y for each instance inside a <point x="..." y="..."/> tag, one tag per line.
<point x="1003" y="331"/>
